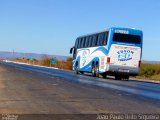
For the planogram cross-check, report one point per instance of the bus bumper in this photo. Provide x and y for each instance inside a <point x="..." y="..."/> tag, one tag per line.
<point x="124" y="70"/>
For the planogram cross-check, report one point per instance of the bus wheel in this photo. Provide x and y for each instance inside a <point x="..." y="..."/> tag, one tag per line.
<point x="81" y="72"/>
<point x="93" y="70"/>
<point x="104" y="75"/>
<point x="126" y="78"/>
<point x="97" y="70"/>
<point x="77" y="72"/>
<point x="118" y="77"/>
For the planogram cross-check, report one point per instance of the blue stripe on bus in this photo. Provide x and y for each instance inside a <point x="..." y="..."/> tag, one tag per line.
<point x="103" y="49"/>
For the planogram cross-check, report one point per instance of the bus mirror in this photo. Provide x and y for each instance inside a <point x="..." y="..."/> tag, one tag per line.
<point x="71" y="50"/>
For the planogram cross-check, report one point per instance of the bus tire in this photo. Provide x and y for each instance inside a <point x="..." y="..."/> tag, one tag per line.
<point x="97" y="70"/>
<point x="104" y="75"/>
<point x="77" y="71"/>
<point x="81" y="72"/>
<point x="118" y="77"/>
<point x="93" y="70"/>
<point x="126" y="78"/>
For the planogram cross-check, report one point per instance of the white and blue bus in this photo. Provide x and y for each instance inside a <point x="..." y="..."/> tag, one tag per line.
<point x="116" y="52"/>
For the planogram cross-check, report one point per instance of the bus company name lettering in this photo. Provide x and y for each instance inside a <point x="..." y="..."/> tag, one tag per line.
<point x="125" y="55"/>
<point x="122" y="31"/>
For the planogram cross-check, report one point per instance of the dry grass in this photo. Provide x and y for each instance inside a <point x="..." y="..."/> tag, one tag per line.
<point x="150" y="71"/>
<point x="45" y="61"/>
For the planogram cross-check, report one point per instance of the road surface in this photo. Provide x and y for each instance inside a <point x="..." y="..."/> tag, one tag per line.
<point x="35" y="90"/>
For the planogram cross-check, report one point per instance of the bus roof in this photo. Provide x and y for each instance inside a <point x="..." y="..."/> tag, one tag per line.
<point x="132" y="30"/>
<point x="94" y="33"/>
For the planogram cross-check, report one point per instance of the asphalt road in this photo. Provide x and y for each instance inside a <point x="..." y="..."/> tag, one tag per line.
<point x="34" y="90"/>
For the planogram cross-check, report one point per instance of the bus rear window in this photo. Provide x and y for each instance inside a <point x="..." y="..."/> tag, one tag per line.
<point x="126" y="38"/>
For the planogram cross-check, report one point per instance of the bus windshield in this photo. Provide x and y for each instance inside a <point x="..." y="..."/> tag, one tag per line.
<point x="126" y="38"/>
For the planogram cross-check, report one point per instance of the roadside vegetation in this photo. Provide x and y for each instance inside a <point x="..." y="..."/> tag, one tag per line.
<point x="46" y="61"/>
<point x="148" y="71"/>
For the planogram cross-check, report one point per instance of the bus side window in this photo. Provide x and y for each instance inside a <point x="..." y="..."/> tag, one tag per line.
<point x="105" y="38"/>
<point x="90" y="41"/>
<point x="100" y="39"/>
<point x="84" y="42"/>
<point x="94" y="40"/>
<point x="76" y="44"/>
<point x="87" y="41"/>
<point x="79" y="43"/>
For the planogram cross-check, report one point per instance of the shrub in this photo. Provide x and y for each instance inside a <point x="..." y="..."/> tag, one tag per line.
<point x="148" y="70"/>
<point x="45" y="61"/>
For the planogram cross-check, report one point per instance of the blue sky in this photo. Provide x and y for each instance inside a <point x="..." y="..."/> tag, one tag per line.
<point x="51" y="26"/>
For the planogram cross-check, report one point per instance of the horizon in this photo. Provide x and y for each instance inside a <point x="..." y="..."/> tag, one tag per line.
<point x="69" y="56"/>
<point x="51" y="27"/>
<point x="32" y="53"/>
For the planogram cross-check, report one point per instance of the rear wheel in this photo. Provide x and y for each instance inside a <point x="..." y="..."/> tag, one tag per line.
<point x="118" y="77"/>
<point x="77" y="71"/>
<point x="81" y="72"/>
<point x="93" y="70"/>
<point x="104" y="75"/>
<point x="97" y="70"/>
<point x="122" y="77"/>
<point x="125" y="77"/>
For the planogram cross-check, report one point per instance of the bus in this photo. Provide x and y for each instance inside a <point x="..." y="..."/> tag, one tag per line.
<point x="115" y="52"/>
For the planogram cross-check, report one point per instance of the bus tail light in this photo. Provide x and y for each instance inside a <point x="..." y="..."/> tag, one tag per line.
<point x="108" y="59"/>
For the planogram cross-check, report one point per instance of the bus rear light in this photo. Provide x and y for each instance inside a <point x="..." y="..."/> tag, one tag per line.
<point x="108" y="59"/>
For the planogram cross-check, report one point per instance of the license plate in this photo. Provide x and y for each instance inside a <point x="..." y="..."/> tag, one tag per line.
<point x="123" y="70"/>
